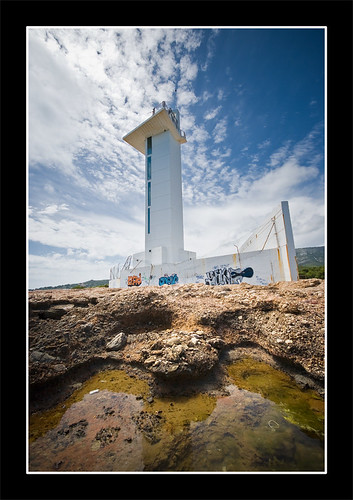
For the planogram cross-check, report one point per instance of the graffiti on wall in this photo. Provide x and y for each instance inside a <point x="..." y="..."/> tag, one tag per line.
<point x="168" y="280"/>
<point x="228" y="275"/>
<point x="134" y="280"/>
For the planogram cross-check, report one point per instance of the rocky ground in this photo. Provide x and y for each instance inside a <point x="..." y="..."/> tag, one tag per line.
<point x="173" y="333"/>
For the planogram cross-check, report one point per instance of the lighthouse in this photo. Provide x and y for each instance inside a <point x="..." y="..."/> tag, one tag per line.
<point x="159" y="139"/>
<point x="266" y="257"/>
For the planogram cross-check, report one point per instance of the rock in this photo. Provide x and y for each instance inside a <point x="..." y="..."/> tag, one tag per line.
<point x="117" y="342"/>
<point x="156" y="346"/>
<point x="173" y="341"/>
<point x="290" y="308"/>
<point x="76" y="327"/>
<point x="149" y="425"/>
<point x="59" y="368"/>
<point x="88" y="328"/>
<point x="150" y="361"/>
<point x="41" y="357"/>
<point x="52" y="313"/>
<point x="216" y="342"/>
<point x="183" y="356"/>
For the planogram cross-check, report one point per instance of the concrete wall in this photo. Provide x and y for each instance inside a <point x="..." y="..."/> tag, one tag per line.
<point x="114" y="283"/>
<point x="252" y="267"/>
<point x="276" y="232"/>
<point x="267" y="256"/>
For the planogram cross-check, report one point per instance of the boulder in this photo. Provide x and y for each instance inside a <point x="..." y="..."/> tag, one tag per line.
<point x="182" y="354"/>
<point x="117" y="342"/>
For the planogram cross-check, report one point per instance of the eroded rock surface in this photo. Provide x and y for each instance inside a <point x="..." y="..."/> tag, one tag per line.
<point x="181" y="353"/>
<point x="177" y="330"/>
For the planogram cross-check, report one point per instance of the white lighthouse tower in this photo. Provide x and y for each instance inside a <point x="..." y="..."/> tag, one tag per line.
<point x="266" y="257"/>
<point x="159" y="138"/>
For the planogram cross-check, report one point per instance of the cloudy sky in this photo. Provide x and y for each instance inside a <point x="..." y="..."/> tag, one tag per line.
<point x="252" y="104"/>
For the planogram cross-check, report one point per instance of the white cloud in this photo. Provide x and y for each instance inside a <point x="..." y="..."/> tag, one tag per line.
<point x="206" y="95"/>
<point x="76" y="104"/>
<point x="210" y="49"/>
<point x="214" y="230"/>
<point x="220" y="95"/>
<point x="53" y="209"/>
<point x="215" y="221"/>
<point x="218" y="153"/>
<point x="188" y="69"/>
<point x="57" y="269"/>
<point x="199" y="136"/>
<point x="278" y="156"/>
<point x="308" y="221"/>
<point x="98" y="236"/>
<point x="49" y="188"/>
<point x="220" y="131"/>
<point x="212" y="113"/>
<point x="283" y="181"/>
<point x="264" y="144"/>
<point x="185" y="97"/>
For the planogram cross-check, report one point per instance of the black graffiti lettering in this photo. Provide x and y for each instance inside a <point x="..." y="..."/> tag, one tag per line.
<point x="227" y="276"/>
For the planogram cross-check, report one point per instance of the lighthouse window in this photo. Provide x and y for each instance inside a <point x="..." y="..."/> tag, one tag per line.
<point x="149" y="221"/>
<point x="149" y="168"/>
<point x="149" y="194"/>
<point x="149" y="145"/>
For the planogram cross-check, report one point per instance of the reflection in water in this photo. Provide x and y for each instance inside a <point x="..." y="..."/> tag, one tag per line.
<point x="112" y="380"/>
<point x="265" y="423"/>
<point x="95" y="434"/>
<point x="302" y="408"/>
<point x="248" y="433"/>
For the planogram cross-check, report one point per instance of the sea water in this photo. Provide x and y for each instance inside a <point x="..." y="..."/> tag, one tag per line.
<point x="263" y="422"/>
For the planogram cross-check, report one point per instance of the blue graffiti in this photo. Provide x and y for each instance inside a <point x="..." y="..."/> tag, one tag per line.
<point x="168" y="280"/>
<point x="228" y="276"/>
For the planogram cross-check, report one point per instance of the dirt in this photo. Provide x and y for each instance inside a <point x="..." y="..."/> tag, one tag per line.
<point x="183" y="333"/>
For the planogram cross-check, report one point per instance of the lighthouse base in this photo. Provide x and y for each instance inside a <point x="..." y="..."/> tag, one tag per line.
<point x="254" y="263"/>
<point x="158" y="256"/>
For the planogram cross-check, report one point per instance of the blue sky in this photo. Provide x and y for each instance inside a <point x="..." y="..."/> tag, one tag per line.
<point x="252" y="107"/>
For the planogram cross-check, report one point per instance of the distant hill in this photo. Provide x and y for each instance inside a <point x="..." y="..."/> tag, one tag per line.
<point x="85" y="284"/>
<point x="310" y="256"/>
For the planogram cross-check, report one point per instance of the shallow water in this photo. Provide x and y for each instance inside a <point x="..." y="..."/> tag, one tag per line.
<point x="304" y="408"/>
<point x="264" y="423"/>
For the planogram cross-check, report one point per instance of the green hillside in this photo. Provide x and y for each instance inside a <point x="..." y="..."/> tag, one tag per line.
<point x="310" y="256"/>
<point x="85" y="284"/>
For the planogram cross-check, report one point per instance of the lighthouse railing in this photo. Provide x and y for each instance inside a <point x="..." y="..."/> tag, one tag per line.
<point x="174" y="115"/>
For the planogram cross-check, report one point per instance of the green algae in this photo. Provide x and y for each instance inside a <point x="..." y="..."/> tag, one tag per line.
<point x="179" y="411"/>
<point x="113" y="380"/>
<point x="246" y="430"/>
<point x="304" y="408"/>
